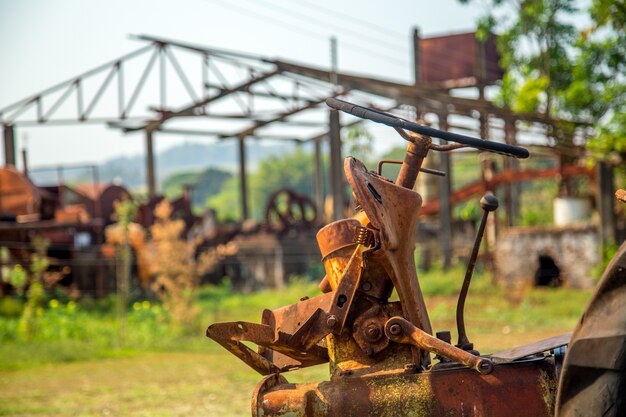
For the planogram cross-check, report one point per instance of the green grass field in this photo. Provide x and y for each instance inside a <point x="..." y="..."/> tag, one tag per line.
<point x="79" y="366"/>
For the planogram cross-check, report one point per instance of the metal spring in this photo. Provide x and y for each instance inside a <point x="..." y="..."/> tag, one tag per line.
<point x="363" y="236"/>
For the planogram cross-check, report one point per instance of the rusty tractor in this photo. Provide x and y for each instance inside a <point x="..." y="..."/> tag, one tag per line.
<point x="384" y="359"/>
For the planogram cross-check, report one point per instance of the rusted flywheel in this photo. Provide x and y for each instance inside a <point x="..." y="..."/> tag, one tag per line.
<point x="287" y="209"/>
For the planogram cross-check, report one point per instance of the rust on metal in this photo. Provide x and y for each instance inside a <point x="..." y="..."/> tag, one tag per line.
<point x="514" y="389"/>
<point x="287" y="209"/>
<point x="379" y="351"/>
<point x="400" y="330"/>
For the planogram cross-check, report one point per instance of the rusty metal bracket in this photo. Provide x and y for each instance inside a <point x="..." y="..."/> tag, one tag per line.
<point x="321" y="322"/>
<point x="394" y="215"/>
<point x="231" y="335"/>
<point x="382" y="162"/>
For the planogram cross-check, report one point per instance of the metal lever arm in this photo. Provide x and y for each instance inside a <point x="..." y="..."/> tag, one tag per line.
<point x="488" y="203"/>
<point x="400" y="330"/>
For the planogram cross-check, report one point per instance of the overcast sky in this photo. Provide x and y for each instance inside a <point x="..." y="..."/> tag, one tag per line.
<point x="44" y="42"/>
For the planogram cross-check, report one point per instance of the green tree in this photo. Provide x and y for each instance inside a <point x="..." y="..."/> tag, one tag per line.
<point x="533" y="43"/>
<point x="578" y="77"/>
<point x="293" y="170"/>
<point x="597" y="93"/>
<point x="205" y="184"/>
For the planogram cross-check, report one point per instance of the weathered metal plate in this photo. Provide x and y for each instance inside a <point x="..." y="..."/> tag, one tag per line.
<point x="521" y="389"/>
<point x="540" y="346"/>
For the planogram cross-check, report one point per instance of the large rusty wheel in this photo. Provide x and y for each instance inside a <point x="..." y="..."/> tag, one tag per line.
<point x="287" y="209"/>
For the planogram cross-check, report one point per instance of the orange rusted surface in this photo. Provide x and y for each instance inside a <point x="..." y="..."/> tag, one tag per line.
<point x="520" y="389"/>
<point x="18" y="195"/>
<point x="379" y="350"/>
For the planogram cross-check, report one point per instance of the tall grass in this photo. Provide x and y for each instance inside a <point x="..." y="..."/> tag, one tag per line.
<point x="71" y="331"/>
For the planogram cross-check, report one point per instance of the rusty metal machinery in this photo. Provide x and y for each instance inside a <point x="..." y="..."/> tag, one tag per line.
<point x="380" y="351"/>
<point x="286" y="210"/>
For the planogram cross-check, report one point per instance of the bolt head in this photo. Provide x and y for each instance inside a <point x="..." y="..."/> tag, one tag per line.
<point x="331" y="322"/>
<point x="485" y="367"/>
<point x="373" y="333"/>
<point x="395" y="329"/>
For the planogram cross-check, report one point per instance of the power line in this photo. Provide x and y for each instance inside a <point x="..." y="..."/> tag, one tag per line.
<point x="308" y="18"/>
<point x="302" y="31"/>
<point x="351" y="18"/>
<point x="438" y="63"/>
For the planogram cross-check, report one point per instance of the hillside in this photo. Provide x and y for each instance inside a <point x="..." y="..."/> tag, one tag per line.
<point x="130" y="170"/>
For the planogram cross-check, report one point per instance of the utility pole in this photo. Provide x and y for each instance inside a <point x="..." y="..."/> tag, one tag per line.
<point x="336" y="173"/>
<point x="416" y="56"/>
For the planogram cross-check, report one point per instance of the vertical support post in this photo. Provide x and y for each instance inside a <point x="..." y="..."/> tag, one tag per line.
<point x="120" y="90"/>
<point x="163" y="75"/>
<point x="511" y="189"/>
<point x="279" y="270"/>
<point x="336" y="177"/>
<point x="24" y="162"/>
<point x="96" y="180"/>
<point x="61" y="186"/>
<point x="334" y="134"/>
<point x="9" y="145"/>
<point x="417" y="65"/>
<point x="150" y="178"/>
<point x="319" y="179"/>
<point x="333" y="61"/>
<point x="606" y="202"/>
<point x="445" y="208"/>
<point x="481" y="67"/>
<point x="487" y="174"/>
<point x="243" y="180"/>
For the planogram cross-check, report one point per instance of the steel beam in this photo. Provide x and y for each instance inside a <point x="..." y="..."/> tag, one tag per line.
<point x="279" y="118"/>
<point x="319" y="179"/>
<point x="189" y="110"/>
<point x="511" y="190"/>
<point x="606" y="202"/>
<point x="9" y="145"/>
<point x="336" y="172"/>
<point x="150" y="177"/>
<point x="243" y="180"/>
<point x="445" y="209"/>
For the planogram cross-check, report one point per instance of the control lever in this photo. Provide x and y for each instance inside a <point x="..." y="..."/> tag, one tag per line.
<point x="400" y="330"/>
<point x="488" y="203"/>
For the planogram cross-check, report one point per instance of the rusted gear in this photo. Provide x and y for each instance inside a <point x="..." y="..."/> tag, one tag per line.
<point x="287" y="209"/>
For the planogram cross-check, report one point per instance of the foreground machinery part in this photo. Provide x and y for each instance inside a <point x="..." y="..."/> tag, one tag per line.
<point x="593" y="380"/>
<point x="521" y="389"/>
<point x="379" y="351"/>
<point x="399" y="330"/>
